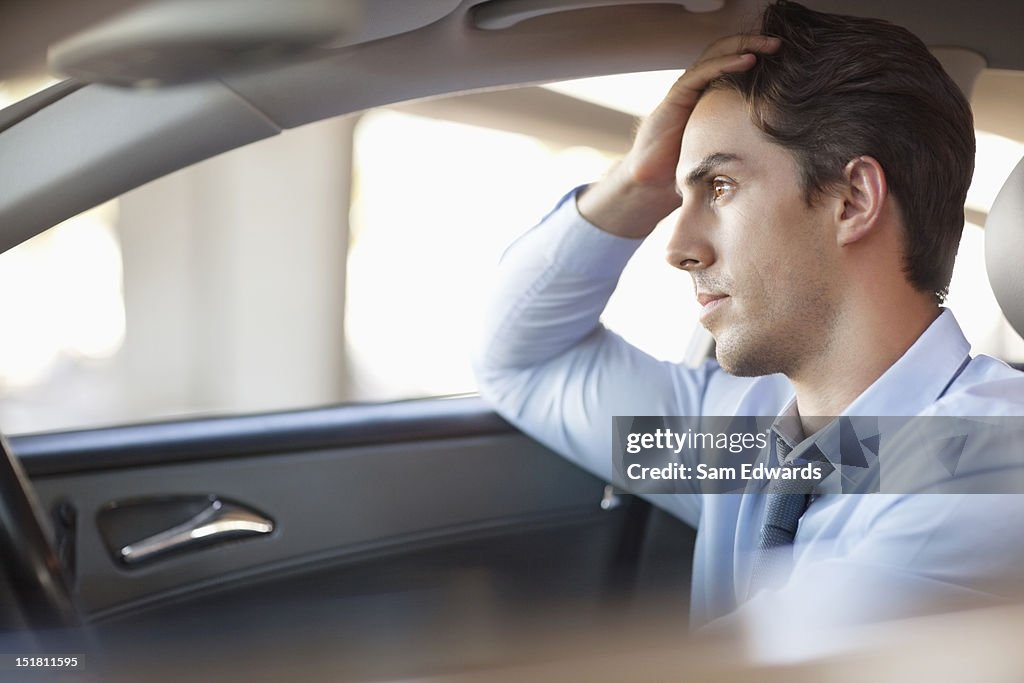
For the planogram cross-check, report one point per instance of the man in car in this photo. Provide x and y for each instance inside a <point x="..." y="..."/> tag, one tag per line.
<point x="819" y="169"/>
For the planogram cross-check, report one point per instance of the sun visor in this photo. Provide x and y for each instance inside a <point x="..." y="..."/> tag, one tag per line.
<point x="168" y="42"/>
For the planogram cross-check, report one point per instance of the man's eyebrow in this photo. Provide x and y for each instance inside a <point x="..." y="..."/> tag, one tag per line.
<point x="707" y="165"/>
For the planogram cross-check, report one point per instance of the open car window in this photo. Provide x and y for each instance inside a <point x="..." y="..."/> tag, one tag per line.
<point x="349" y="260"/>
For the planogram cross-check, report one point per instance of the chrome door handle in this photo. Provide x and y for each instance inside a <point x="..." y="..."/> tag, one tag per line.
<point x="220" y="521"/>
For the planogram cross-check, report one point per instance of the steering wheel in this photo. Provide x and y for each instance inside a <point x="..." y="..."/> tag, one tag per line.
<point x="31" y="578"/>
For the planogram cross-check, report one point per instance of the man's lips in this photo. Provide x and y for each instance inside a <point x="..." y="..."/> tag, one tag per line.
<point x="710" y="303"/>
<point x="705" y="299"/>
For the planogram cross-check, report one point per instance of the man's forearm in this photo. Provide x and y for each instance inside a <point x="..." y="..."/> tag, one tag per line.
<point x="623" y="207"/>
<point x="553" y="284"/>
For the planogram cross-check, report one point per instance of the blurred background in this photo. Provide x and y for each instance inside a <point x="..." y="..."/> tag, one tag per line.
<point x="278" y="275"/>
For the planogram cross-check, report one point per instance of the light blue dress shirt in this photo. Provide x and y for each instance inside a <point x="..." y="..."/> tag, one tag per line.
<point x="551" y="368"/>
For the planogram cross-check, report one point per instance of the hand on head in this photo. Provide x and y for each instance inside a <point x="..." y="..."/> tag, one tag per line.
<point x="640" y="191"/>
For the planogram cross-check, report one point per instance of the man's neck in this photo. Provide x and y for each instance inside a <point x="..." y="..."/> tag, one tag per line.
<point x="866" y="343"/>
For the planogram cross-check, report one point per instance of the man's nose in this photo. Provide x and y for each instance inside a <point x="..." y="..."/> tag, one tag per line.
<point x="689" y="248"/>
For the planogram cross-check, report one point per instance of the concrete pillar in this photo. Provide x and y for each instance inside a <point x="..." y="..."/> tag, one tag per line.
<point x="234" y="275"/>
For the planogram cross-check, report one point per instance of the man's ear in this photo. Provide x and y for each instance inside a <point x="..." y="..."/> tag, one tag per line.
<point x="861" y="200"/>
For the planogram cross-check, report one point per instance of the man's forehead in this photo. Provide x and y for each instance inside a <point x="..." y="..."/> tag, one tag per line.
<point x="720" y="129"/>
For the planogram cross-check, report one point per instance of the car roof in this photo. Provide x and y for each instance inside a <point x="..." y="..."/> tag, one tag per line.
<point x="78" y="144"/>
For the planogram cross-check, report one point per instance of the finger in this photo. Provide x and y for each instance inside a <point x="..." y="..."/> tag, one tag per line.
<point x="740" y="43"/>
<point x="704" y="73"/>
<point x="687" y="90"/>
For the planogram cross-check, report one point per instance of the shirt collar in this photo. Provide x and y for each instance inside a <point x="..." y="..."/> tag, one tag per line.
<point x="921" y="375"/>
<point x="911" y="384"/>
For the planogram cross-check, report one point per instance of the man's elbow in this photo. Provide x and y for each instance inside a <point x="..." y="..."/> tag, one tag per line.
<point x="498" y="386"/>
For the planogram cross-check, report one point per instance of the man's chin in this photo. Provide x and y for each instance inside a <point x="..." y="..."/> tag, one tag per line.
<point x="742" y="361"/>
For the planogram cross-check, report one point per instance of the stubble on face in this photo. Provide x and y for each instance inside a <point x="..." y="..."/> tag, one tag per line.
<point x="786" y="300"/>
<point x="773" y="258"/>
<point x="784" y="336"/>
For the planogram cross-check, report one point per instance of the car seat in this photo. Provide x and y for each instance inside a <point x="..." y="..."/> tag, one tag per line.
<point x="1004" y="250"/>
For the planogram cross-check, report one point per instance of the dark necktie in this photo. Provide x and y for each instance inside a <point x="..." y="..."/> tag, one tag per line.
<point x="786" y="501"/>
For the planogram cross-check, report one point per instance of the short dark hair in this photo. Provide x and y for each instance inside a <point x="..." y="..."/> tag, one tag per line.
<point x="840" y="87"/>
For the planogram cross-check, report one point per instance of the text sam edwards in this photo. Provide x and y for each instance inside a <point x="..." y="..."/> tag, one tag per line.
<point x="703" y="471"/>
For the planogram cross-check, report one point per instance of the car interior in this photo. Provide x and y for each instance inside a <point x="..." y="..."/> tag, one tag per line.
<point x="379" y="540"/>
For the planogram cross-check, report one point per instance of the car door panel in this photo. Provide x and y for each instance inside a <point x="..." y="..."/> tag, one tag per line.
<point x="397" y="527"/>
<point x="325" y="503"/>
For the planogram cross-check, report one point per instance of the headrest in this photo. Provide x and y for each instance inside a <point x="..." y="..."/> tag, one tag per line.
<point x="1004" y="248"/>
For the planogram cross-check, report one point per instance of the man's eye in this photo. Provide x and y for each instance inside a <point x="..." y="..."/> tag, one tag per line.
<point x="720" y="188"/>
